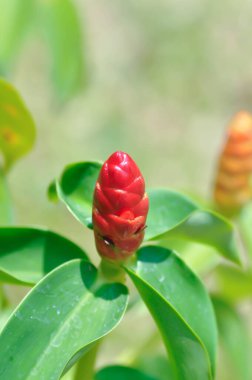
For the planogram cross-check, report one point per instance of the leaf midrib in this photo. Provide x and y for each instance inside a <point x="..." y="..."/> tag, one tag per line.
<point x="68" y="318"/>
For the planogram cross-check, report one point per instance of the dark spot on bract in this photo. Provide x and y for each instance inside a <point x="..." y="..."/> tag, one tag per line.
<point x="108" y="241"/>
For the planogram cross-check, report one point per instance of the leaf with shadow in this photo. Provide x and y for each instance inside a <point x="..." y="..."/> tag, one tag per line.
<point x="75" y="189"/>
<point x="66" y="313"/>
<point x="181" y="308"/>
<point x="123" y="373"/>
<point x="28" y="254"/>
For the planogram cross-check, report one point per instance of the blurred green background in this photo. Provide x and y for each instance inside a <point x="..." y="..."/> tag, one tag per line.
<point x="158" y="79"/>
<point x="162" y="79"/>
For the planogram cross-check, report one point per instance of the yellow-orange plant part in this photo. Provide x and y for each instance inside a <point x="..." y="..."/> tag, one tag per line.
<point x="233" y="181"/>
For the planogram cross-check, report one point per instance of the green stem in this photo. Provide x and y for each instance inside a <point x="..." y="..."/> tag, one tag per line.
<point x="85" y="368"/>
<point x="3" y="298"/>
<point x="111" y="272"/>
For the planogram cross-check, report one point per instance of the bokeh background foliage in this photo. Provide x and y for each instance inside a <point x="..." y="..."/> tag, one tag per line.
<point x="159" y="79"/>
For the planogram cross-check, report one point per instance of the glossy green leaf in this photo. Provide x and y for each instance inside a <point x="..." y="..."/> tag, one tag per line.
<point x="181" y="308"/>
<point x="6" y="213"/>
<point x="208" y="228"/>
<point x="15" y="18"/>
<point x="76" y="187"/>
<point x="61" y="26"/>
<point x="202" y="259"/>
<point x="174" y="216"/>
<point x="123" y="373"/>
<point x="59" y="320"/>
<point x="167" y="210"/>
<point x="234" y="338"/>
<point x="17" y="130"/>
<point x="233" y="284"/>
<point x="28" y="254"/>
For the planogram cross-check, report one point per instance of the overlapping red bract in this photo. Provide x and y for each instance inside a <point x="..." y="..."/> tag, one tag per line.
<point x="120" y="207"/>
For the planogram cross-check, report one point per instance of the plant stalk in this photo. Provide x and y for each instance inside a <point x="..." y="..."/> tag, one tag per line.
<point x="111" y="272"/>
<point x="85" y="368"/>
<point x="3" y="298"/>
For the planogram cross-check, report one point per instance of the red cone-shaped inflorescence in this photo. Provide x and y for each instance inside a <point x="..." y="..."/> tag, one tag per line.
<point x="120" y="208"/>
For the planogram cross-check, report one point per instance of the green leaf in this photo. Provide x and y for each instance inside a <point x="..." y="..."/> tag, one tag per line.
<point x="181" y="308"/>
<point x="6" y="213"/>
<point x="15" y="18"/>
<point x="174" y="216"/>
<point x="167" y="210"/>
<point x="121" y="372"/>
<point x="234" y="337"/>
<point x="61" y="26"/>
<point x="17" y="129"/>
<point x="207" y="228"/>
<point x="59" y="320"/>
<point x="28" y="254"/>
<point x="76" y="187"/>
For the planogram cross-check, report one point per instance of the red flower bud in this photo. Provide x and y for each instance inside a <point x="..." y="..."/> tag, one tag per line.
<point x="232" y="186"/>
<point x="120" y="207"/>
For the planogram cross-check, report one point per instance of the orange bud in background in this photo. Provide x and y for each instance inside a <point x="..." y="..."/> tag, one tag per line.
<point x="232" y="185"/>
<point x="120" y="208"/>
